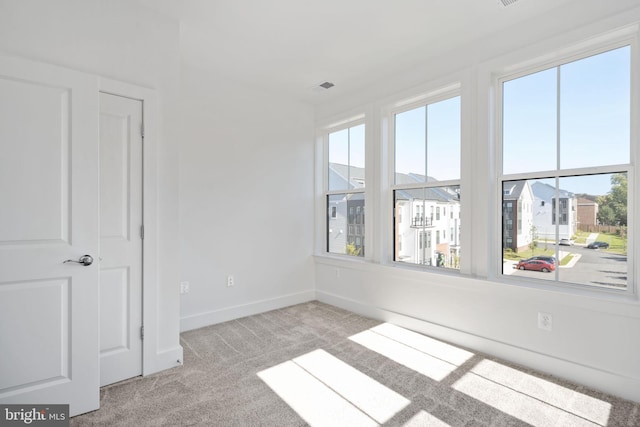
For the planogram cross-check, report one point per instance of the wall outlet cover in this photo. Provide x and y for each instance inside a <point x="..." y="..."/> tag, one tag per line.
<point x="545" y="321"/>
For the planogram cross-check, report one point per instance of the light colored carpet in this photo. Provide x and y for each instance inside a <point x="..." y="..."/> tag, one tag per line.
<point x="227" y="366"/>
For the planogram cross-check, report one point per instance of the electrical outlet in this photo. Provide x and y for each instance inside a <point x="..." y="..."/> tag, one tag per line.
<point x="184" y="287"/>
<point x="545" y="321"/>
<point x="230" y="281"/>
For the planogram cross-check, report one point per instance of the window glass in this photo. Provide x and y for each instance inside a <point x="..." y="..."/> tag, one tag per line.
<point x="416" y="230"/>
<point x="346" y="159"/>
<point x="559" y="226"/>
<point x="529" y="123"/>
<point x="346" y="200"/>
<point x="427" y="150"/>
<point x="587" y="245"/>
<point x="427" y="143"/>
<point x="345" y="231"/>
<point x="595" y="110"/>
<point x="443" y="139"/>
<point x="410" y="149"/>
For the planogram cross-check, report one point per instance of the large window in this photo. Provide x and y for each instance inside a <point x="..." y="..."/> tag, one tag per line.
<point x="427" y="184"/>
<point x="345" y="229"/>
<point x="565" y="164"/>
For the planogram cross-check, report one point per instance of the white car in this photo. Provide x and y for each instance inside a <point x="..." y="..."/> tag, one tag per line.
<point x="566" y="242"/>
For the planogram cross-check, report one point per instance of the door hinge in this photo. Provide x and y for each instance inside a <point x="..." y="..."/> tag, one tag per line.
<point x="142" y="130"/>
<point x="141" y="332"/>
<point x="142" y="232"/>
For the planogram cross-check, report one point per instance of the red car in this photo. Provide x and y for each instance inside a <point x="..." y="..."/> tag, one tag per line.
<point x="536" y="264"/>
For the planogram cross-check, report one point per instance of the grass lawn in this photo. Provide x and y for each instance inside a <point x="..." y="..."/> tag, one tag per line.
<point x="581" y="237"/>
<point x="566" y="259"/>
<point x="617" y="244"/>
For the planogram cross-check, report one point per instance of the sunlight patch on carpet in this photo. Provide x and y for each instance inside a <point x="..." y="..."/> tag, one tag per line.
<point x="404" y="351"/>
<point x="431" y="346"/>
<point x="531" y="399"/>
<point x="324" y="390"/>
<point x="424" y="419"/>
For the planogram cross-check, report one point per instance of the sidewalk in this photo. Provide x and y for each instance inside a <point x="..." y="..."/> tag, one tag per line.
<point x="592" y="238"/>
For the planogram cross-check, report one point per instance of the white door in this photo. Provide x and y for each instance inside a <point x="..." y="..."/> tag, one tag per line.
<point x="49" y="192"/>
<point x="120" y="238"/>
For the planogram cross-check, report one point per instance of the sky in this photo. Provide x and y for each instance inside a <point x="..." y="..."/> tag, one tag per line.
<point x="572" y="116"/>
<point x="582" y="107"/>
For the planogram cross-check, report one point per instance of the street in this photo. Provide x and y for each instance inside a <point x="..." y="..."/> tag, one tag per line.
<point x="594" y="267"/>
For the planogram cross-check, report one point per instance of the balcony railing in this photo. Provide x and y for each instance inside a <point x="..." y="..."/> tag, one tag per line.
<point x="421" y="221"/>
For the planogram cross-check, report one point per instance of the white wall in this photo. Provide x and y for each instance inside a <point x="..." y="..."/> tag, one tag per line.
<point x="122" y="41"/>
<point x="595" y="339"/>
<point x="246" y="199"/>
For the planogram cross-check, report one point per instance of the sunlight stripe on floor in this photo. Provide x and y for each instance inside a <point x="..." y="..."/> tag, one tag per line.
<point x="316" y="403"/>
<point x="425" y="419"/>
<point x="580" y="404"/>
<point x="378" y="401"/>
<point x="531" y="399"/>
<point x="416" y="360"/>
<point x="428" y="345"/>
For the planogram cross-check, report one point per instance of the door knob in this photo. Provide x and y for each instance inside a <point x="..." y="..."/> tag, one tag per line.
<point x="84" y="260"/>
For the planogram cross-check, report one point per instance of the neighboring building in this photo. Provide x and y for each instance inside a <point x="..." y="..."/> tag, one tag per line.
<point x="427" y="221"/>
<point x="346" y="213"/>
<point x="517" y="216"/>
<point x="427" y="224"/>
<point x="544" y="212"/>
<point x="587" y="212"/>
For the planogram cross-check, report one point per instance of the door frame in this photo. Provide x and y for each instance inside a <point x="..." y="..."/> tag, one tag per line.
<point x="148" y="97"/>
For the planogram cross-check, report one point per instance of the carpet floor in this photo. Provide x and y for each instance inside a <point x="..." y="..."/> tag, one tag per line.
<point x="315" y="364"/>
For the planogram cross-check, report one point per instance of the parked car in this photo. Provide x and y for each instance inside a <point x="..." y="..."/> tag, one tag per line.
<point x="537" y="265"/>
<point x="598" y="245"/>
<point x="549" y="259"/>
<point x="565" y="242"/>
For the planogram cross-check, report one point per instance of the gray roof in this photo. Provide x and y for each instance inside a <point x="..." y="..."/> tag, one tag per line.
<point x="344" y="177"/>
<point x="338" y="174"/>
<point x="547" y="192"/>
<point x="515" y="189"/>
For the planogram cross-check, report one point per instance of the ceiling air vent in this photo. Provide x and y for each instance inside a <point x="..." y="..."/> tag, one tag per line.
<point x="506" y="3"/>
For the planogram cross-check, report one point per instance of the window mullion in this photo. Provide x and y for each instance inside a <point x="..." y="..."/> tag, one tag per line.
<point x="426" y="141"/>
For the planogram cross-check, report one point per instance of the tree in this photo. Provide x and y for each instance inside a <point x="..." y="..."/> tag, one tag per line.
<point x="612" y="209"/>
<point x="534" y="236"/>
<point x="606" y="216"/>
<point x="351" y="249"/>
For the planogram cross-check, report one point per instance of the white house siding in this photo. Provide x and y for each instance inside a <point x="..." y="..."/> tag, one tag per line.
<point x="337" y="227"/>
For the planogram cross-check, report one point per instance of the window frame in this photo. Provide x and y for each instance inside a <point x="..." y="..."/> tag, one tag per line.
<point x="323" y="224"/>
<point x="440" y="93"/>
<point x="542" y="63"/>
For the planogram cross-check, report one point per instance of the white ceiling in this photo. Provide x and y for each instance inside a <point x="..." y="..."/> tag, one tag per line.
<point x="290" y="46"/>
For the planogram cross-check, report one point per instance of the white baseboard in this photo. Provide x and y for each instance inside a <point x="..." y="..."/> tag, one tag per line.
<point x="229" y="313"/>
<point x="592" y="377"/>
<point x="164" y="359"/>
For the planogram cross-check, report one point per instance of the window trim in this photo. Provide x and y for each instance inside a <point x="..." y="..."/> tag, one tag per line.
<point x="624" y="37"/>
<point x="323" y="225"/>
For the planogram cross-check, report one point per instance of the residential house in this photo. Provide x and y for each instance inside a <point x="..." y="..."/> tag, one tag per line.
<point x="587" y="212"/>
<point x="346" y="216"/>
<point x="517" y="216"/>
<point x="544" y="212"/>
<point x="427" y="224"/>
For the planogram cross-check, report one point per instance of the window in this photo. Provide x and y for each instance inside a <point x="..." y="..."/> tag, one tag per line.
<point x="344" y="191"/>
<point x="566" y="137"/>
<point x="426" y="150"/>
